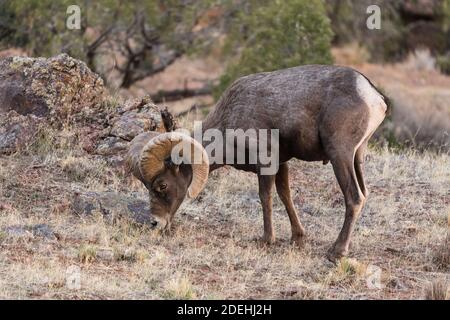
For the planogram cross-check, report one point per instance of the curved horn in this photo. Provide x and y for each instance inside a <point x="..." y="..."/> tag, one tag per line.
<point x="134" y="152"/>
<point x="159" y="148"/>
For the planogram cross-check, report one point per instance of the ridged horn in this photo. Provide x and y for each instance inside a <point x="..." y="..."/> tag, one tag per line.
<point x="159" y="148"/>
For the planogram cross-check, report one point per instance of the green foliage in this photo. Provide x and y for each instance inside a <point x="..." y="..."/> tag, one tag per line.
<point x="398" y="32"/>
<point x="348" y="20"/>
<point x="129" y="37"/>
<point x="131" y="40"/>
<point x="445" y="14"/>
<point x="343" y="20"/>
<point x="443" y="63"/>
<point x="39" y="26"/>
<point x="270" y="35"/>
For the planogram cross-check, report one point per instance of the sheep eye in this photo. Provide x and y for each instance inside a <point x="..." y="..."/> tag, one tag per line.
<point x="160" y="188"/>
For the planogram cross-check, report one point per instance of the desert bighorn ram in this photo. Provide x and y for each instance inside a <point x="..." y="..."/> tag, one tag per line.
<point x="323" y="113"/>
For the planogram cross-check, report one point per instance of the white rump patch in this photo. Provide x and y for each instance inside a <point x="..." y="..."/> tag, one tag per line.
<point x="368" y="93"/>
<point x="376" y="104"/>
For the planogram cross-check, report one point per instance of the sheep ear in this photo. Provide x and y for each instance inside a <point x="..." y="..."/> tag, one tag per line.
<point x="168" y="120"/>
<point x="168" y="164"/>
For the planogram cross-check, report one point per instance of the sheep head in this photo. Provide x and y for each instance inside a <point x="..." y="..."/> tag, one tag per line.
<point x="168" y="180"/>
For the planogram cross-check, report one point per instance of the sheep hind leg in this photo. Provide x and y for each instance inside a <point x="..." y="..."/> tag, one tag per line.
<point x="265" y="194"/>
<point x="359" y="167"/>
<point x="344" y="169"/>
<point x="359" y="170"/>
<point x="284" y="192"/>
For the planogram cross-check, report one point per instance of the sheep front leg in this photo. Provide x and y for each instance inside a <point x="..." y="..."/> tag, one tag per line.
<point x="284" y="192"/>
<point x="265" y="194"/>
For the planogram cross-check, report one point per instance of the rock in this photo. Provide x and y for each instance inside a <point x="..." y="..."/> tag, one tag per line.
<point x="111" y="146"/>
<point x="38" y="230"/>
<point x="397" y="284"/>
<point x="111" y="205"/>
<point x="54" y="90"/>
<point x="61" y="90"/>
<point x="420" y="8"/>
<point x="132" y="104"/>
<point x="90" y="135"/>
<point x="132" y="123"/>
<point x="426" y="34"/>
<point x="132" y="118"/>
<point x="43" y="230"/>
<point x="55" y="87"/>
<point x="16" y="131"/>
<point x="17" y="232"/>
<point x="423" y="22"/>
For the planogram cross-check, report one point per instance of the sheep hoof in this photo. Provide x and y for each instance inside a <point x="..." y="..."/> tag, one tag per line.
<point x="334" y="254"/>
<point x="298" y="241"/>
<point x="265" y="240"/>
<point x="268" y="240"/>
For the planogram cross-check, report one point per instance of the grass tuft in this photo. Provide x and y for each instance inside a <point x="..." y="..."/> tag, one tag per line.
<point x="87" y="254"/>
<point x="180" y="288"/>
<point x="437" y="290"/>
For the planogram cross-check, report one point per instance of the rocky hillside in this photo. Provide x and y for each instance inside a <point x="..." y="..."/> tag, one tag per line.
<point x="73" y="222"/>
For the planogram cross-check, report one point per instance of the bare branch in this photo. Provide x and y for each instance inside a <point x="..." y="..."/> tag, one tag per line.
<point x="178" y="94"/>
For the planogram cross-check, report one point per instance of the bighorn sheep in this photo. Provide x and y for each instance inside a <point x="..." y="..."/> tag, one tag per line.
<point x="323" y="113"/>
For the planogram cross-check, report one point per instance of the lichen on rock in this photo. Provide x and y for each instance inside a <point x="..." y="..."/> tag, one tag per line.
<point x="62" y="91"/>
<point x="17" y="130"/>
<point x="129" y="120"/>
<point x="57" y="87"/>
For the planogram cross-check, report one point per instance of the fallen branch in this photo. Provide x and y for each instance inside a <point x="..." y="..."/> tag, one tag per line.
<point x="178" y="94"/>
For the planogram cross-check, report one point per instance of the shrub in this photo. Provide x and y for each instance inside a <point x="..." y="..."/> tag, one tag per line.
<point x="270" y="35"/>
<point x="348" y="20"/>
<point x="443" y="63"/>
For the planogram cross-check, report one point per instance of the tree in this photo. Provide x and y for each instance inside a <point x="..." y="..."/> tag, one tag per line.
<point x="127" y="41"/>
<point x="124" y="41"/>
<point x="270" y="35"/>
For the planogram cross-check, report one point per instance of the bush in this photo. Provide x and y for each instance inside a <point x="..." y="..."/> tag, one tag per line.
<point x="348" y="20"/>
<point x="401" y="31"/>
<point x="124" y="41"/>
<point x="443" y="63"/>
<point x="270" y="35"/>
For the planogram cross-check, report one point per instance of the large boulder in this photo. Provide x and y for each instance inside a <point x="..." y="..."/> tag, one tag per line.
<point x="414" y="9"/>
<point x="56" y="87"/>
<point x="426" y="34"/>
<point x="16" y="131"/>
<point x="63" y="91"/>
<point x="423" y="22"/>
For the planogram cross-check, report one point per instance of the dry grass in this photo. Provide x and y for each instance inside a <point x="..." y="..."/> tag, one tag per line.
<point x="351" y="55"/>
<point x="421" y="60"/>
<point x="437" y="290"/>
<point x="211" y="252"/>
